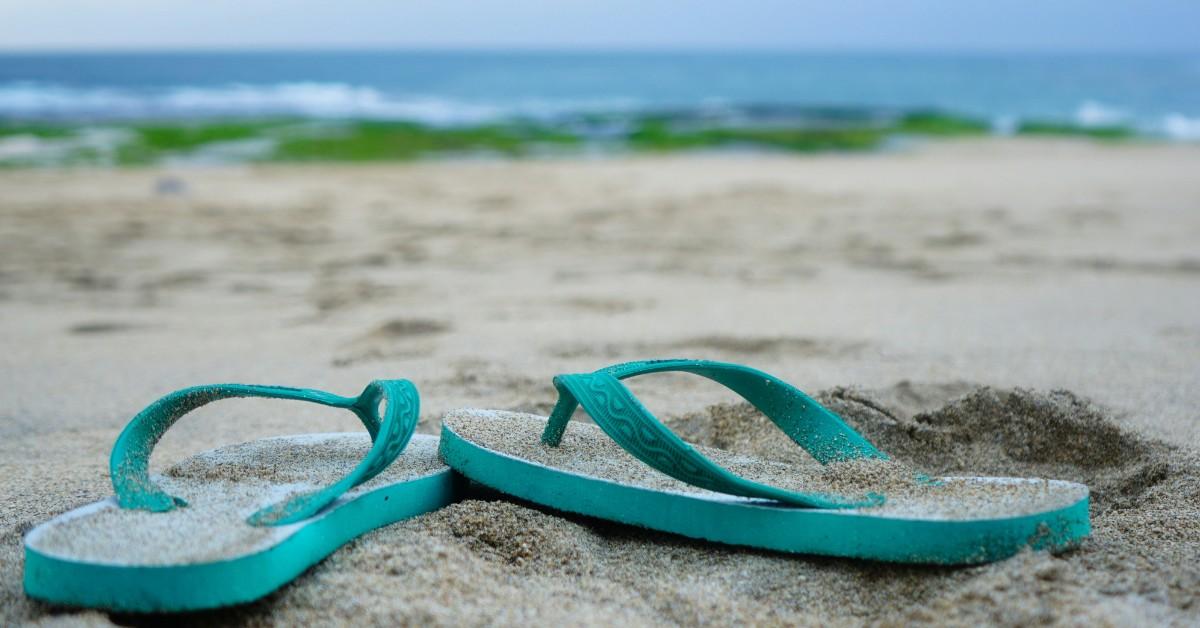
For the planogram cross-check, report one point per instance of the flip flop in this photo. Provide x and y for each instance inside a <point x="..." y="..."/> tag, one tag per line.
<point x="232" y="524"/>
<point x="854" y="503"/>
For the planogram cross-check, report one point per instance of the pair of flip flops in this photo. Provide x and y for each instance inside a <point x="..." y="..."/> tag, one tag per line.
<point x="233" y="524"/>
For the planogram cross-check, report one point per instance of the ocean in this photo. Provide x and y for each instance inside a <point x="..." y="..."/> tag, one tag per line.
<point x="218" y="107"/>
<point x="1158" y="94"/>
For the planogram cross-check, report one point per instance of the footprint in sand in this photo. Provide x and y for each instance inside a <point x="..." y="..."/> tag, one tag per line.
<point x="102" y="327"/>
<point x="397" y="338"/>
<point x="728" y="346"/>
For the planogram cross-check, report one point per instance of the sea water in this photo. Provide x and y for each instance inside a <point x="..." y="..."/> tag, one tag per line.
<point x="1156" y="94"/>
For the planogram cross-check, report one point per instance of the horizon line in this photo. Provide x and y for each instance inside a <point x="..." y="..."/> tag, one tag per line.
<point x="585" y="50"/>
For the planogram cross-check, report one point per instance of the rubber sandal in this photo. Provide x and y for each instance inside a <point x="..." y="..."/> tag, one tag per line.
<point x="232" y="524"/>
<point x="854" y="503"/>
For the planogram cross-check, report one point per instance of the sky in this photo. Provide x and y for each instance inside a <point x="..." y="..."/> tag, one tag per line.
<point x="901" y="25"/>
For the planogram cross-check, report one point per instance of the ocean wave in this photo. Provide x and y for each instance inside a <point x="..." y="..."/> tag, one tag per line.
<point x="1092" y="114"/>
<point x="101" y="144"/>
<point x="304" y="99"/>
<point x="1181" y="128"/>
<point x="332" y="100"/>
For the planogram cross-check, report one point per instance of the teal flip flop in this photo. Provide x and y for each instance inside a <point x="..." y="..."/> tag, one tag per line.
<point x="231" y="525"/>
<point x="849" y="500"/>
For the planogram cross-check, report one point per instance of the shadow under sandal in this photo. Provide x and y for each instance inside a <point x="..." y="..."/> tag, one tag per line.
<point x="849" y="500"/>
<point x="231" y="525"/>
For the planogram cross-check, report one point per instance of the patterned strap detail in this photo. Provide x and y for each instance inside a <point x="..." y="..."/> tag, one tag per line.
<point x="614" y="408"/>
<point x="823" y="434"/>
<point x="130" y="460"/>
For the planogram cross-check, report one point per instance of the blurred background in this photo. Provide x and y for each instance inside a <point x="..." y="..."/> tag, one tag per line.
<point x="481" y="194"/>
<point x="100" y="83"/>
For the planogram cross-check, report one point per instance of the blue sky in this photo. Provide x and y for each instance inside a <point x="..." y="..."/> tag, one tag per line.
<point x="1054" y="25"/>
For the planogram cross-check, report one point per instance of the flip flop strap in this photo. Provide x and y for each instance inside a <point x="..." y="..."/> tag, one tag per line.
<point x="129" y="463"/>
<point x="619" y="413"/>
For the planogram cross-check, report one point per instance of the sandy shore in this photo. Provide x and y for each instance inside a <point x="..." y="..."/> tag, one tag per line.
<point x="896" y="283"/>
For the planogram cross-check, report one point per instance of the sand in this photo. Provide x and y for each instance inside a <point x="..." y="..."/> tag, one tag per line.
<point x="223" y="487"/>
<point x="944" y="300"/>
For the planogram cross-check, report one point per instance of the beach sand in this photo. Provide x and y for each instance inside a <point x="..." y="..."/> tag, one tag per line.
<point x="1004" y="307"/>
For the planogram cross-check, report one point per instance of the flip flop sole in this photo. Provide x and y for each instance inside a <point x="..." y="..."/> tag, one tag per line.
<point x="59" y="578"/>
<point x="760" y="524"/>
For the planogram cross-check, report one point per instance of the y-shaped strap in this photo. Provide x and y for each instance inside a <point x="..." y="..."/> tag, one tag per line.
<point x="130" y="459"/>
<point x="614" y="408"/>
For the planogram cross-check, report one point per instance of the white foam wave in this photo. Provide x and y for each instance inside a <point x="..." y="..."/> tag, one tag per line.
<point x="100" y="143"/>
<point x="1182" y="128"/>
<point x="26" y="99"/>
<point x="321" y="100"/>
<point x="318" y="100"/>
<point x="1093" y="114"/>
